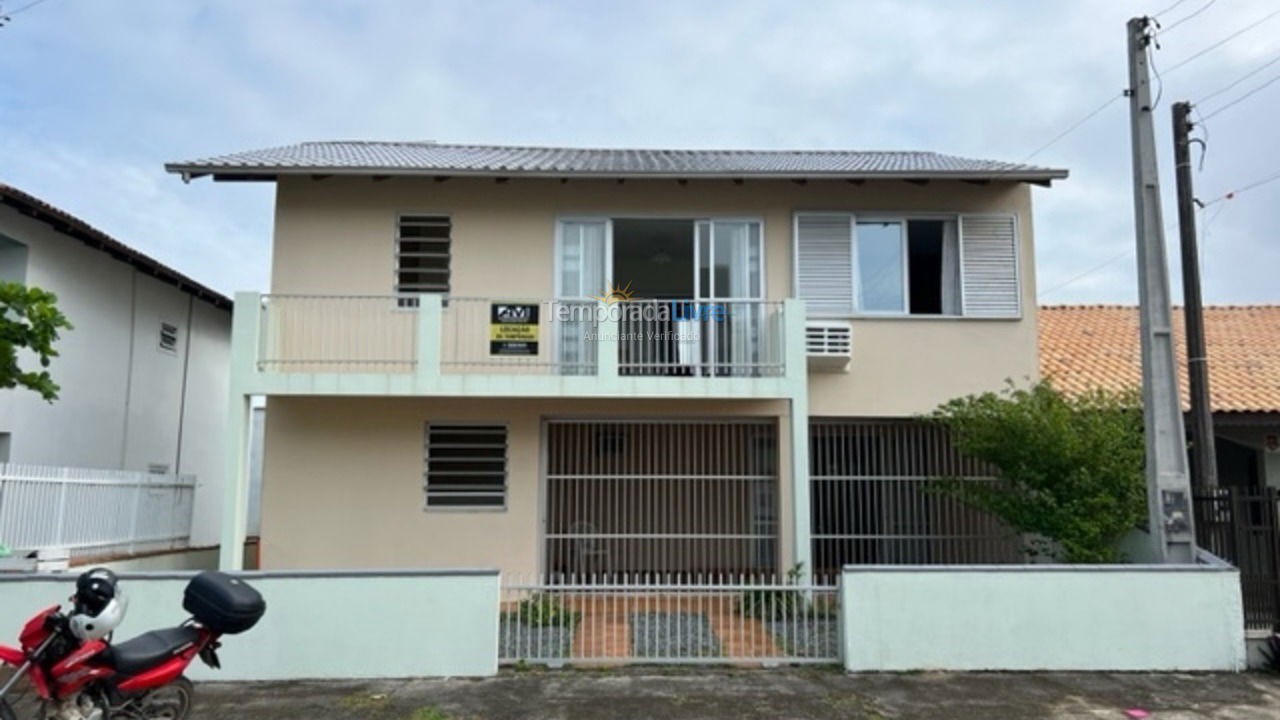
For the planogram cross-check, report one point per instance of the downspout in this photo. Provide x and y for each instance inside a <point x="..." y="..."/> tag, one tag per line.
<point x="182" y="399"/>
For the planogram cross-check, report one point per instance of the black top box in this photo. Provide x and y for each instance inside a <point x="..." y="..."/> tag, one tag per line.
<point x="223" y="603"/>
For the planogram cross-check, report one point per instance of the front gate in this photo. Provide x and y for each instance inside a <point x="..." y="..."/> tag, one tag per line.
<point x="670" y="619"/>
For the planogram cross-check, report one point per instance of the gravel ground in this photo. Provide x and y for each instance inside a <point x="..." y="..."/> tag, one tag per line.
<point x="517" y="640"/>
<point x="811" y="639"/>
<point x="669" y="634"/>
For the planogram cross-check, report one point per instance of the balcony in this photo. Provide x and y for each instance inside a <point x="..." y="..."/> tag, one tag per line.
<point x="429" y="345"/>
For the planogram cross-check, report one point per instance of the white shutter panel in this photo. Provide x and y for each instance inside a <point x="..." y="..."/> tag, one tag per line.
<point x="824" y="262"/>
<point x="989" y="266"/>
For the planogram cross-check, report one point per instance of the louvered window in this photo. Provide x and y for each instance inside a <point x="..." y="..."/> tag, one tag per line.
<point x="989" y="256"/>
<point x="824" y="263"/>
<point x="423" y="251"/>
<point x="466" y="465"/>
<point x="878" y="264"/>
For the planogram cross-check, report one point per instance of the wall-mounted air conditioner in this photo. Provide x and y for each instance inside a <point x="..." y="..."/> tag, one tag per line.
<point x="829" y="345"/>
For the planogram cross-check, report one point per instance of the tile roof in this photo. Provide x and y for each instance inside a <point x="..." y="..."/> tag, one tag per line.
<point x="438" y="158"/>
<point x="1084" y="346"/>
<point x="68" y="224"/>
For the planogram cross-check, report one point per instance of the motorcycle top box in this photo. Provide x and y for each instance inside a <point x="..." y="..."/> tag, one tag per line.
<point x="223" y="603"/>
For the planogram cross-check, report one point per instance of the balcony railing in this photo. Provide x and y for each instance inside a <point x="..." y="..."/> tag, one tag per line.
<point x="490" y="336"/>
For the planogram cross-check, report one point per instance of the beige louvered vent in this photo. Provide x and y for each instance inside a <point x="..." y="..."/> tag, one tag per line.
<point x="989" y="264"/>
<point x="824" y="262"/>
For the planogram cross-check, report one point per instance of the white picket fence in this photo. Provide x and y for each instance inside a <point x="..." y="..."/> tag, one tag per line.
<point x="93" y="512"/>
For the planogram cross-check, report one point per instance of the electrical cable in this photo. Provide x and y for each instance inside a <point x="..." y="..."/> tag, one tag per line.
<point x="1223" y="41"/>
<point x="1242" y="98"/>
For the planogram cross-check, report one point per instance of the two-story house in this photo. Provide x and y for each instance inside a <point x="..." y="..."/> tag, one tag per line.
<point x="577" y="361"/>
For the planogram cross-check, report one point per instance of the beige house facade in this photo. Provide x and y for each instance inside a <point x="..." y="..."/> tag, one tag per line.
<point x="590" y="362"/>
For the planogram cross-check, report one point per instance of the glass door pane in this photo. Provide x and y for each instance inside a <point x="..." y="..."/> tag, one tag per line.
<point x="581" y="271"/>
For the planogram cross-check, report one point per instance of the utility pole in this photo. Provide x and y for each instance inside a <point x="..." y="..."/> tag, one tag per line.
<point x="1204" y="458"/>
<point x="1168" y="489"/>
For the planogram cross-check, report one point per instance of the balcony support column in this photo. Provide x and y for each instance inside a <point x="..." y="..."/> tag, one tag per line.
<point x="430" y="336"/>
<point x="245" y="333"/>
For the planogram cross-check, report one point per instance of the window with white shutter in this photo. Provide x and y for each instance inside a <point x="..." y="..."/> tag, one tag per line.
<point x="989" y="265"/>
<point x="824" y="262"/>
<point x="914" y="264"/>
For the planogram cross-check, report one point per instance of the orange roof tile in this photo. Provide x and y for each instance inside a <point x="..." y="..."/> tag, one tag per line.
<point x="1087" y="346"/>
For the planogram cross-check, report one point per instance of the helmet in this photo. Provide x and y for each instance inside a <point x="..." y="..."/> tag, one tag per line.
<point x="99" y="605"/>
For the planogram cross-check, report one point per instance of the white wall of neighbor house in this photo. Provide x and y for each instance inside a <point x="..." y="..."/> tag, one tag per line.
<point x="336" y="236"/>
<point x="343" y="480"/>
<point x="125" y="403"/>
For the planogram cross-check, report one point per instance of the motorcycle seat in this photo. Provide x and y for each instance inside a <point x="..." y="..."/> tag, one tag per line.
<point x="149" y="649"/>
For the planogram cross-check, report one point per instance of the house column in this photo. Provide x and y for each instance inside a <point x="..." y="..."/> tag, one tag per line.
<point x="796" y="372"/>
<point x="243" y="365"/>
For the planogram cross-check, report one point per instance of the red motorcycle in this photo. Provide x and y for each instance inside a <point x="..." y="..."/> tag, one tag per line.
<point x="79" y="674"/>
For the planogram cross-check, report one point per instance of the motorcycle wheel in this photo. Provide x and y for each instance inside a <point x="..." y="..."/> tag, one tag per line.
<point x="6" y="712"/>
<point x="170" y="702"/>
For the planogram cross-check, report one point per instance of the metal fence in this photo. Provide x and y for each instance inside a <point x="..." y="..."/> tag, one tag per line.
<point x="1242" y="526"/>
<point x="684" y="496"/>
<point x="875" y="499"/>
<point x="91" y="512"/>
<point x="708" y="338"/>
<point x="564" y="338"/>
<point x="338" y="333"/>
<point x="679" y="618"/>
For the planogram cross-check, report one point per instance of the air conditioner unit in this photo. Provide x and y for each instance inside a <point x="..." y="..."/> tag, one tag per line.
<point x="829" y="345"/>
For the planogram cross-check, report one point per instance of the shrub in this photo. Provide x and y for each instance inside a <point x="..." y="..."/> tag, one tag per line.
<point x="1070" y="467"/>
<point x="543" y="610"/>
<point x="766" y="604"/>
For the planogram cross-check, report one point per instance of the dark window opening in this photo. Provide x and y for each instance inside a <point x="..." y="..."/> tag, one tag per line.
<point x="924" y="266"/>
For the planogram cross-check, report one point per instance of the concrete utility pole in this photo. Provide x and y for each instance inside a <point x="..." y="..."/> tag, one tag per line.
<point x="1204" y="459"/>
<point x="1168" y="489"/>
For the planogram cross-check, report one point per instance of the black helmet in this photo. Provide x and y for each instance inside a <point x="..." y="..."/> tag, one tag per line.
<point x="94" y="589"/>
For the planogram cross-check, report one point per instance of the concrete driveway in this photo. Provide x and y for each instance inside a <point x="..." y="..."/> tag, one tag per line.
<point x="777" y="694"/>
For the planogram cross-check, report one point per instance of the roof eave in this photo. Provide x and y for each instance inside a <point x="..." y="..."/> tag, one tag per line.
<point x="261" y="172"/>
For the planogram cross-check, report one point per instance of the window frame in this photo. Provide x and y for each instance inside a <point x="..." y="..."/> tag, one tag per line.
<point x="409" y="300"/>
<point x="855" y="217"/>
<point x="426" y="467"/>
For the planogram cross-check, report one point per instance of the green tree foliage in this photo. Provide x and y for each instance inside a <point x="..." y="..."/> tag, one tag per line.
<point x="1070" y="467"/>
<point x="29" y="320"/>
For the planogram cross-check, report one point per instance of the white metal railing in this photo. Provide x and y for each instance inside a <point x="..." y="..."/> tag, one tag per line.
<point x="338" y="333"/>
<point x="564" y="337"/>
<point x="710" y="338"/>
<point x="665" y="338"/>
<point x="673" y="618"/>
<point x="92" y="511"/>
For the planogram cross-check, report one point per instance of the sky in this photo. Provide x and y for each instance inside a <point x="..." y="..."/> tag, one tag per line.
<point x="96" y="95"/>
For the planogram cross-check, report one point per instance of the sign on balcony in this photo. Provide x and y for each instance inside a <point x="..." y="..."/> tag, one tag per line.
<point x="513" y="329"/>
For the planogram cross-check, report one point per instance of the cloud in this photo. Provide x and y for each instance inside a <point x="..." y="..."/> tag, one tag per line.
<point x="97" y="96"/>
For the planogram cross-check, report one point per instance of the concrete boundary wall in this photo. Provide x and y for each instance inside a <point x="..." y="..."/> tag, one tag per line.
<point x="357" y="624"/>
<point x="1051" y="617"/>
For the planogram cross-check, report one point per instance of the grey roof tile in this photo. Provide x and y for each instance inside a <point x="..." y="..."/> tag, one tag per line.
<point x="437" y="158"/>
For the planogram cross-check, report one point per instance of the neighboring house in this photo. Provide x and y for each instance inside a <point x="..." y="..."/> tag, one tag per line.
<point x="1097" y="346"/>
<point x="143" y="373"/>
<point x="574" y="361"/>
<point x="1083" y="347"/>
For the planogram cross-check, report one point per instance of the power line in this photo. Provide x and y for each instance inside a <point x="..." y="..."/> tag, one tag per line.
<point x="1240" y="79"/>
<point x="28" y="6"/>
<point x="1223" y="41"/>
<point x="1084" y="274"/>
<point x="1243" y="97"/>
<point x="1230" y="195"/>
<point x="1185" y="18"/>
<point x="1074" y="126"/>
<point x="1171" y="7"/>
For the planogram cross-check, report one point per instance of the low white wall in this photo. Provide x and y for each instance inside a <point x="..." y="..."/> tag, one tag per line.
<point x="318" y="624"/>
<point x="1044" y="617"/>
